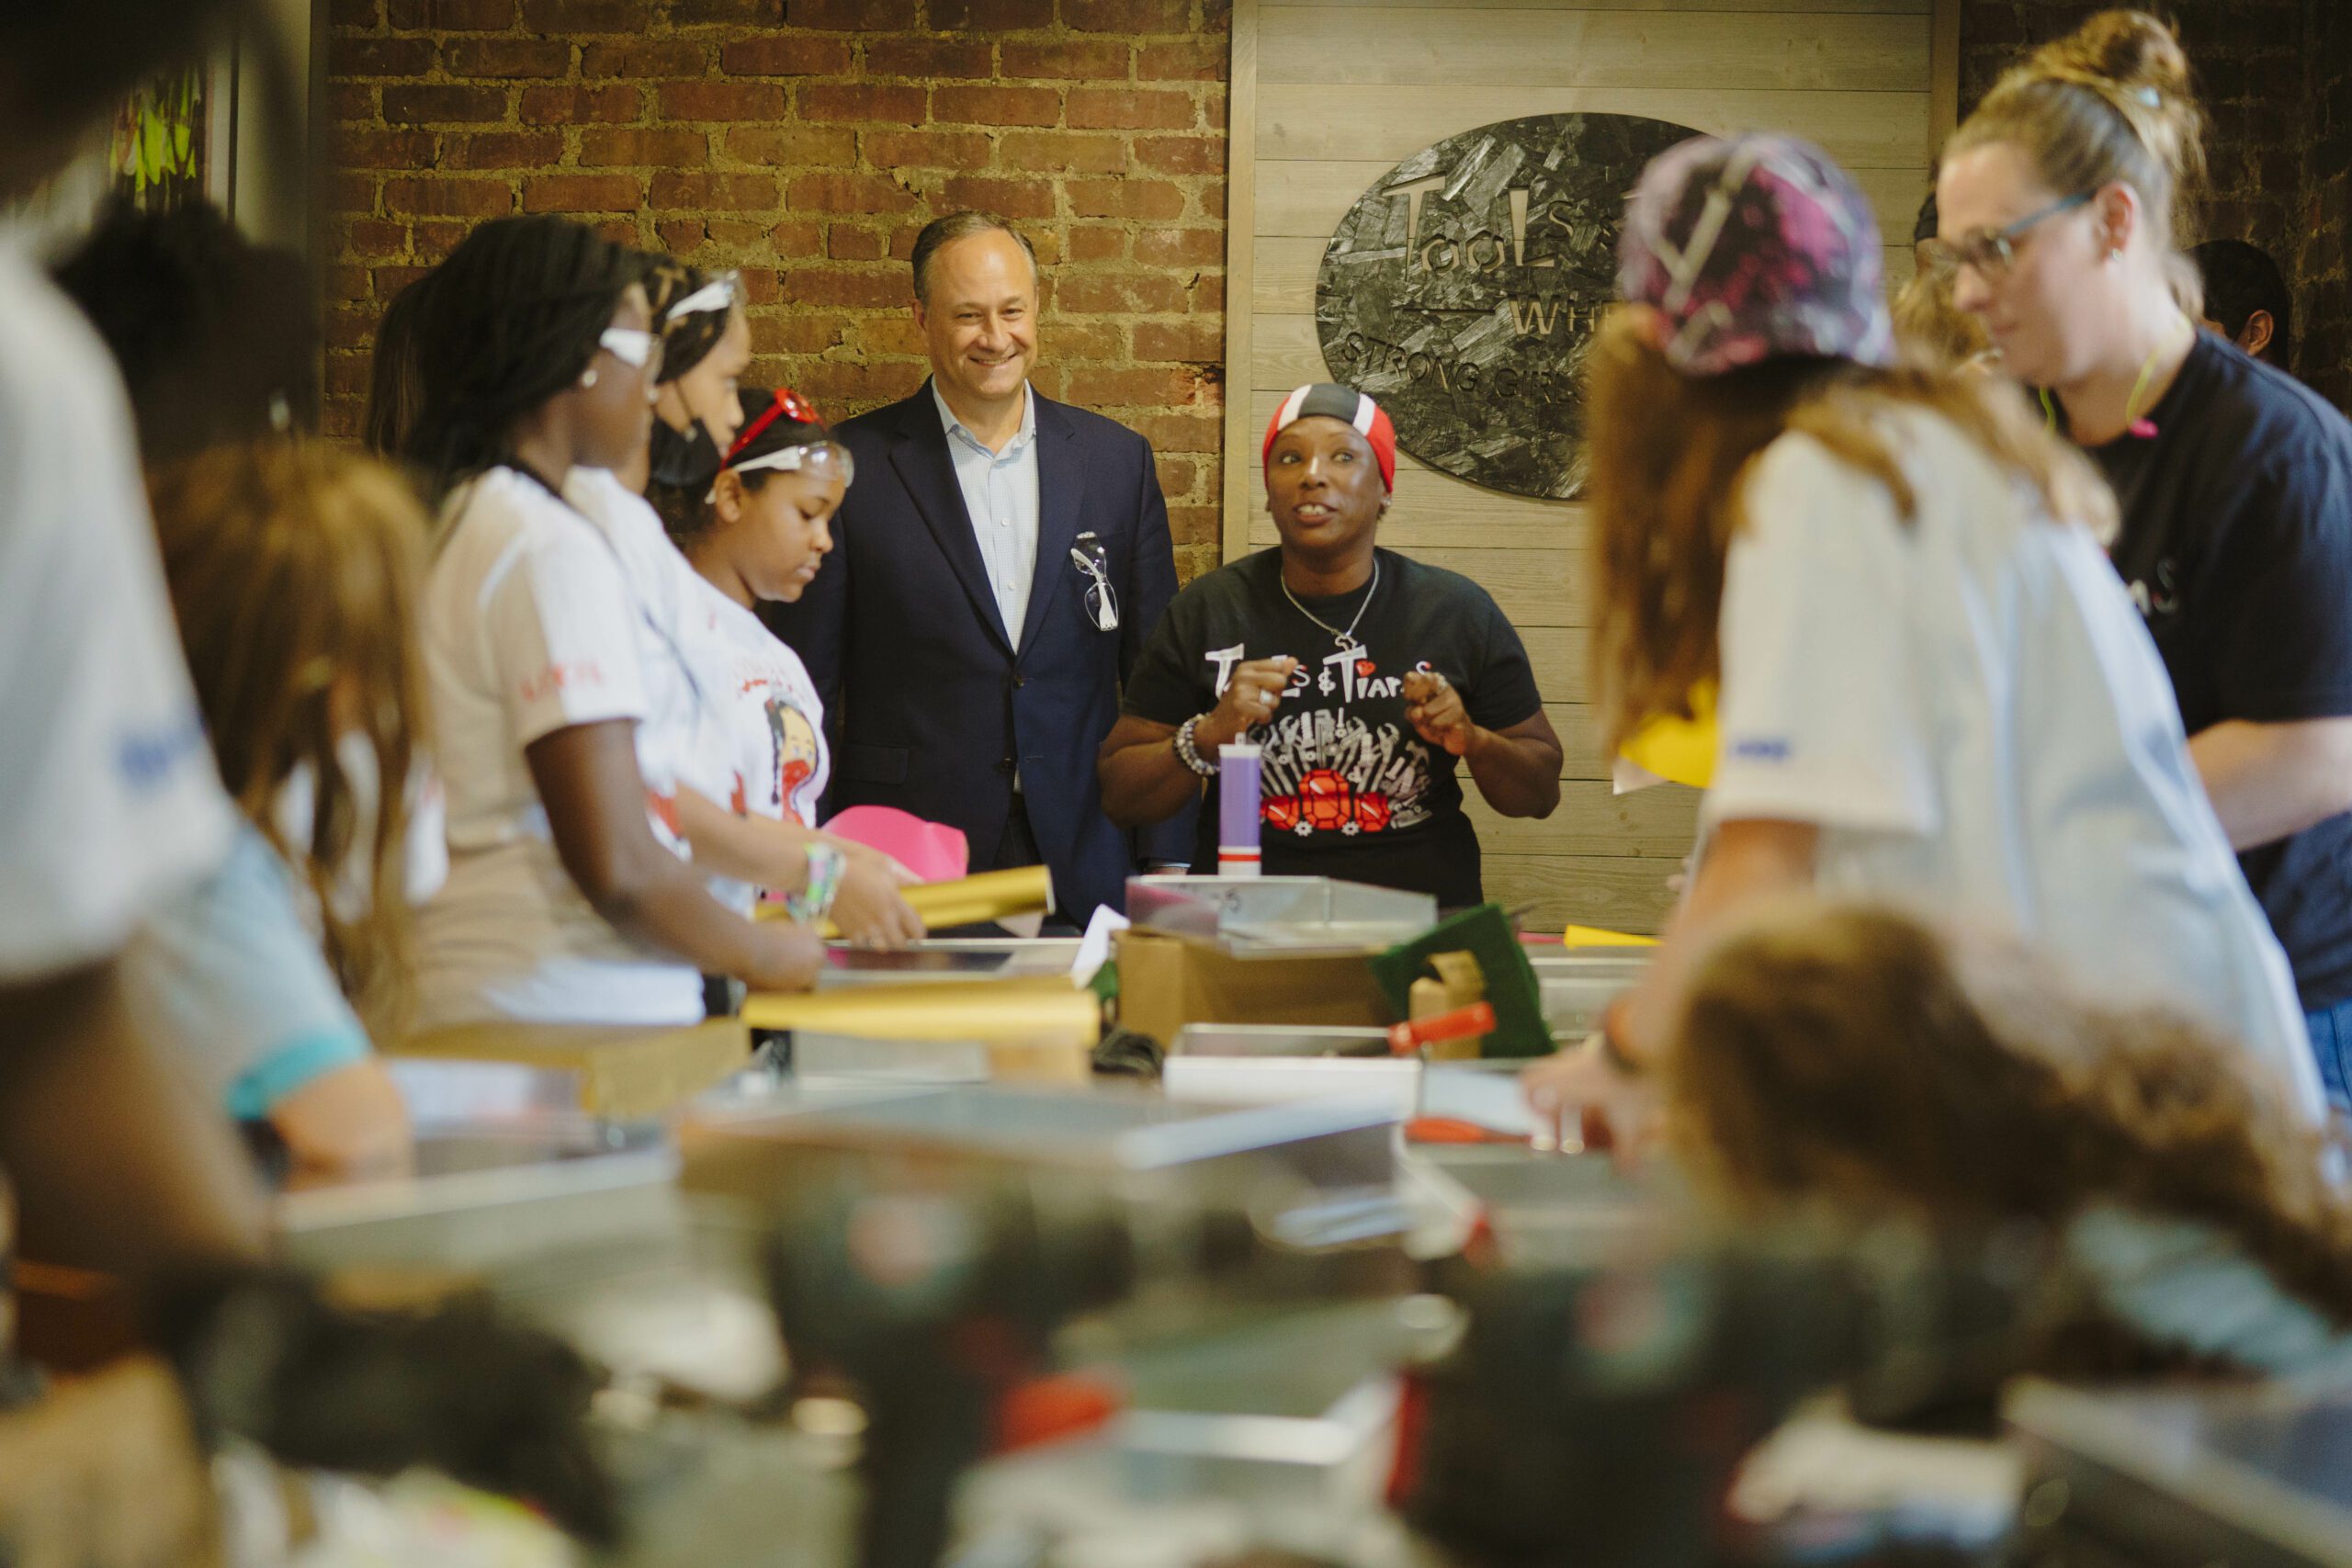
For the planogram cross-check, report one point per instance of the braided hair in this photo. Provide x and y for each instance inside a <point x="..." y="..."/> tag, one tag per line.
<point x="512" y="320"/>
<point x="687" y="341"/>
<point x="773" y="421"/>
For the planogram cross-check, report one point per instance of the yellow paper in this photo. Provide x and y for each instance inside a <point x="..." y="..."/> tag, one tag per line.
<point x="969" y="901"/>
<point x="1593" y="936"/>
<point x="1679" y="751"/>
<point x="1049" y="1009"/>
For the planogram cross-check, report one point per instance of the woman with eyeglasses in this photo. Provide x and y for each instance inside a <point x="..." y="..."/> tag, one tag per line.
<point x="564" y="716"/>
<point x="1364" y="677"/>
<point x="1931" y="687"/>
<point x="2235" y="482"/>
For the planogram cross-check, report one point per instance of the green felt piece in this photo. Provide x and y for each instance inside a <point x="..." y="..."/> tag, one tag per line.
<point x="1486" y="936"/>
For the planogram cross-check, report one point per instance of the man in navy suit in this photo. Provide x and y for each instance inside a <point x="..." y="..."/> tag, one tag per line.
<point x="1002" y="557"/>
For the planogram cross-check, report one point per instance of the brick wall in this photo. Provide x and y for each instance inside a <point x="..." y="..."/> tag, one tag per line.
<point x="2265" y="68"/>
<point x="805" y="142"/>
<point x="2323" y="296"/>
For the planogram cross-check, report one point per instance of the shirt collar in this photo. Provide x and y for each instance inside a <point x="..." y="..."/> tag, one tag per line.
<point x="956" y="428"/>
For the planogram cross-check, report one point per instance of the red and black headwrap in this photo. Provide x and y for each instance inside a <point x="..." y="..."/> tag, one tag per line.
<point x="1331" y="400"/>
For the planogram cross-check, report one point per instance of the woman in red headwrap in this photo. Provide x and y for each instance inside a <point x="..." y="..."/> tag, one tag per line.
<point x="1362" y="677"/>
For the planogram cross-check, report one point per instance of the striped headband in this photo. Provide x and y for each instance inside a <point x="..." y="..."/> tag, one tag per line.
<point x="1328" y="399"/>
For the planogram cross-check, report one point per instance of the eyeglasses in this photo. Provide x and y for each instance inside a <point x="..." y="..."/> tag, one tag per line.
<point x="1101" y="604"/>
<point x="635" y="348"/>
<point x="1992" y="252"/>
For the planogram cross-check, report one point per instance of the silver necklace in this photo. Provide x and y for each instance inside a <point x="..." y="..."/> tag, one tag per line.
<point x="1346" y="639"/>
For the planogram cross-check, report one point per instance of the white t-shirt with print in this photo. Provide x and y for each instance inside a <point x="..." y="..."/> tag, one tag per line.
<point x="531" y="627"/>
<point x="771" y="718"/>
<point x="113" y="804"/>
<point x="1970" y="709"/>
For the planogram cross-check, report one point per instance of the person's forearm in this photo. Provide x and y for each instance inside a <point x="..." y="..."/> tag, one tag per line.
<point x="1519" y="776"/>
<point x="758" y="850"/>
<point x="2269" y="780"/>
<point x="1146" y="782"/>
<point x="118" y="1164"/>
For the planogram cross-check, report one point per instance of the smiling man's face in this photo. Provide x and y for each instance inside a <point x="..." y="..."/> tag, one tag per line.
<point x="980" y="319"/>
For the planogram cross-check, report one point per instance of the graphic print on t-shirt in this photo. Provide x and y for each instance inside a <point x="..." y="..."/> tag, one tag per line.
<point x="1327" y="770"/>
<point x="794" y="740"/>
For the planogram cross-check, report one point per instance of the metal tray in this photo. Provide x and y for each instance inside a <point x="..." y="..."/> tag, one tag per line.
<point x="1267" y="916"/>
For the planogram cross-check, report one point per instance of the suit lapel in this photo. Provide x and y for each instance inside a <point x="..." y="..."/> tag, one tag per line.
<point x="921" y="456"/>
<point x="1061" y="501"/>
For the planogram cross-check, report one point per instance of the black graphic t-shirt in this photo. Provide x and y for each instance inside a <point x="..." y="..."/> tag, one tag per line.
<point x="2237" y="547"/>
<point x="1349" y="790"/>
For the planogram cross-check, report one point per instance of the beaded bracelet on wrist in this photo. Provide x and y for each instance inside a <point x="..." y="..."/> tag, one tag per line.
<point x="815" y="900"/>
<point x="1189" y="753"/>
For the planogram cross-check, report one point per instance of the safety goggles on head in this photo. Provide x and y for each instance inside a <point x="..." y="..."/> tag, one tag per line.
<point x="633" y="346"/>
<point x="821" y="456"/>
<point x="1992" y="252"/>
<point x="722" y="293"/>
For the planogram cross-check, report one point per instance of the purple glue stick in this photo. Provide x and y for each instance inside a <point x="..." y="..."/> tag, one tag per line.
<point x="1237" y="810"/>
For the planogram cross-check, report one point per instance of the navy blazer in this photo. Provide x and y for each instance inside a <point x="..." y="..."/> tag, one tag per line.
<point x="928" y="705"/>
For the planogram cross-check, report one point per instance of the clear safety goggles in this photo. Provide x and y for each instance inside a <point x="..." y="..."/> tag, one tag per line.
<point x="633" y="346"/>
<point x="823" y="460"/>
<point x="722" y="293"/>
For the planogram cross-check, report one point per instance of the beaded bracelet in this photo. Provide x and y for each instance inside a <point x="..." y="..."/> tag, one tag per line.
<point x="827" y="865"/>
<point x="1188" y="753"/>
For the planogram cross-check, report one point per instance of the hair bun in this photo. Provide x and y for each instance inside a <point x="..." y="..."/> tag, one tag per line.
<point x="2135" y="63"/>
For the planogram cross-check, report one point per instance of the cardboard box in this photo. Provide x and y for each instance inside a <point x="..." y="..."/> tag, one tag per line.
<point x="1167" y="982"/>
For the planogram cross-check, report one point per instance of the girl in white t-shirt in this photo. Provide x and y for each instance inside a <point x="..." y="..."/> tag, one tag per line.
<point x="755" y="524"/>
<point x="563" y="726"/>
<point x="1932" y="687"/>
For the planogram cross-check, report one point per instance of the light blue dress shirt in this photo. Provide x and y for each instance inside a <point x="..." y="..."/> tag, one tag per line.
<point x="1001" y="497"/>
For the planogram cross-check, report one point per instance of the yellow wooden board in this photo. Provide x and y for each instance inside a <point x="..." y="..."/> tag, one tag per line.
<point x="621" y="1072"/>
<point x="1049" y="1009"/>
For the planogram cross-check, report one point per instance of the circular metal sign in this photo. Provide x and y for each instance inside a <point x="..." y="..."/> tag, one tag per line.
<point x="1463" y="288"/>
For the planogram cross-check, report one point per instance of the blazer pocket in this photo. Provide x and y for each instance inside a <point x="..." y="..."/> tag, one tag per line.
<point x="874" y="764"/>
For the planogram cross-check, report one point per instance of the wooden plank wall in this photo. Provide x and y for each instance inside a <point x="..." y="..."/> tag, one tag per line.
<point x="1330" y="95"/>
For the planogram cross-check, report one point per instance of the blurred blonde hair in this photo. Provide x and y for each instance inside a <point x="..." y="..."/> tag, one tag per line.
<point x="294" y="571"/>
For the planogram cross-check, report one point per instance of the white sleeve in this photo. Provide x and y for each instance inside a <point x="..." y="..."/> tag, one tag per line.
<point x="1820" y="717"/>
<point x="561" y="628"/>
<point x="113" y="804"/>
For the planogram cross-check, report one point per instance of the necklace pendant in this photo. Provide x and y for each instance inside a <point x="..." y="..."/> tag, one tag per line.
<point x="1348" y="644"/>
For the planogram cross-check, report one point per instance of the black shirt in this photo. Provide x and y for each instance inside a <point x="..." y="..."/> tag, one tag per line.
<point x="1350" y="790"/>
<point x="2237" y="546"/>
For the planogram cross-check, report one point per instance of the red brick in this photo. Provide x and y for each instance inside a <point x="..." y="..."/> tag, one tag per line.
<point x="737" y="233"/>
<point x="784" y="54"/>
<point x="759" y="285"/>
<point x="1128" y="16"/>
<point x="845" y="241"/>
<point x="642" y="149"/>
<point x="992" y="16"/>
<point x="1212" y="200"/>
<point x="433" y="240"/>
<point x="642" y="58"/>
<point x="929" y="56"/>
<point x="450" y="16"/>
<point x="842" y="388"/>
<point x="681" y="235"/>
<point x="1126" y="199"/>
<point x="1006" y="198"/>
<point x="1180" y="247"/>
<point x="1165" y="387"/>
<point x="379" y="56"/>
<point x="1187" y="432"/>
<point x="373" y="237"/>
<point x="1100" y="343"/>
<point x="345" y="284"/>
<point x="797" y="239"/>
<point x="348" y="374"/>
<point x="1207" y="294"/>
<point x="565" y="17"/>
<point x="443" y="198"/>
<point x="502" y="149"/>
<point x="357" y="149"/>
<point x="862" y="101"/>
<point x="349" y="326"/>
<point x="799" y="331"/>
<point x="714" y="193"/>
<point x="760" y="12"/>
<point x="784" y="144"/>
<point x="429" y="105"/>
<point x="507" y="59"/>
<point x="351" y="193"/>
<point x="391" y="280"/>
<point x="1194" y="60"/>
<point x="580" y="105"/>
<point x="1178" y="475"/>
<point x="353" y="101"/>
<point x="892" y="334"/>
<point x="1076" y="59"/>
<point x="1181" y="154"/>
<point x="849" y="16"/>
<point x="621" y="231"/>
<point x="354" y="14"/>
<point x="1063" y="152"/>
<point x="852" y="288"/>
<point x="996" y="105"/>
<point x="1097" y="243"/>
<point x="836" y="192"/>
<point x="582" y="193"/>
<point x="1113" y="293"/>
<point x="924" y="149"/>
<point x="1129" y="108"/>
<point x="1193" y="524"/>
<point x="1188" y="342"/>
<point x="722" y="100"/>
